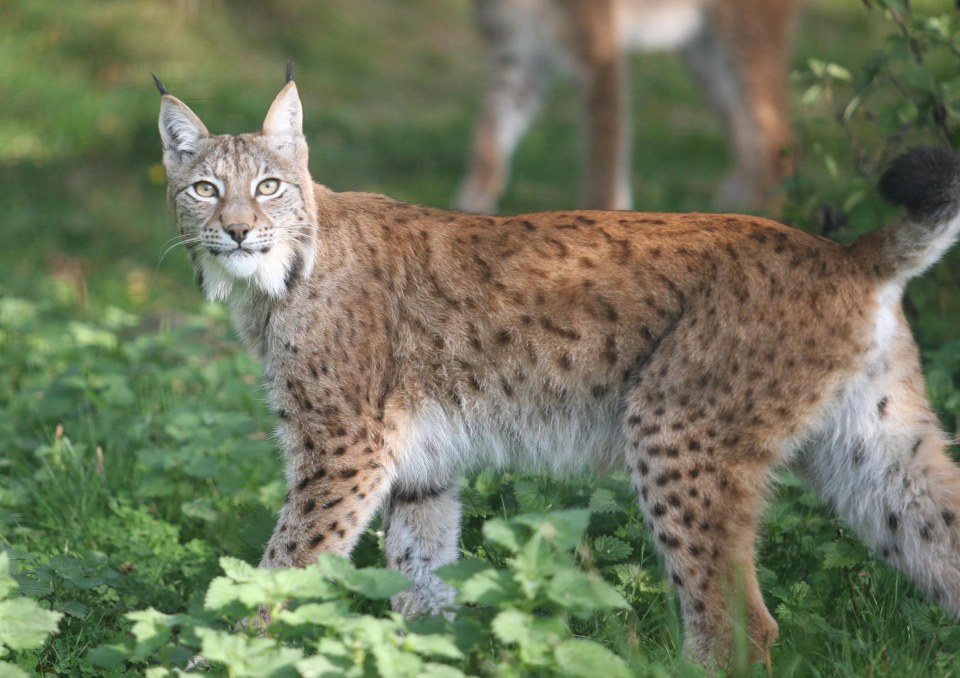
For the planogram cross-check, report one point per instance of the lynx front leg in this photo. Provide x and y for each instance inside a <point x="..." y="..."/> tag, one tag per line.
<point x="422" y="533"/>
<point x="520" y="72"/>
<point x="336" y="483"/>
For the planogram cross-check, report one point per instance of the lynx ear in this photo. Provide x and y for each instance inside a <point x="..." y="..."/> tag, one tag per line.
<point x="283" y="126"/>
<point x="181" y="131"/>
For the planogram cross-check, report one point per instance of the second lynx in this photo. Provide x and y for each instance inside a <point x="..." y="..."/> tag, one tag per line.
<point x="737" y="51"/>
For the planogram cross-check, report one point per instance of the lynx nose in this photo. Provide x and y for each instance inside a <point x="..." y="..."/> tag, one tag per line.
<point x="237" y="231"/>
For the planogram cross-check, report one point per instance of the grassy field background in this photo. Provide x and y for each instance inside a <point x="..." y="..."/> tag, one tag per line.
<point x="135" y="444"/>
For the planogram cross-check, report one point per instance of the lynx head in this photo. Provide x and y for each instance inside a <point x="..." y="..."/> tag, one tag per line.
<point x="244" y="204"/>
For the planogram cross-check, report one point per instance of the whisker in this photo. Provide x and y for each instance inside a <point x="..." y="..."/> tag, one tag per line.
<point x="184" y="242"/>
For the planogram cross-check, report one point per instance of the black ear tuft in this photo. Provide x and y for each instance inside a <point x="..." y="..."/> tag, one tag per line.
<point x="926" y="181"/>
<point x="289" y="70"/>
<point x="160" y="87"/>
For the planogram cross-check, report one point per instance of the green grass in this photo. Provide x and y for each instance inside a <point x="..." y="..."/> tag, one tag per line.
<point x="136" y="447"/>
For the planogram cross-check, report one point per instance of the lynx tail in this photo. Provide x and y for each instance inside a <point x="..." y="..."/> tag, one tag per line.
<point x="925" y="180"/>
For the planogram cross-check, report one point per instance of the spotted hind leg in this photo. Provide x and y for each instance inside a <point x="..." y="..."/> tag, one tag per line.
<point x="702" y="490"/>
<point x="881" y="462"/>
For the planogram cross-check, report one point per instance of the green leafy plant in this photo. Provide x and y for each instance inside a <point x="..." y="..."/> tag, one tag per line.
<point x="24" y="625"/>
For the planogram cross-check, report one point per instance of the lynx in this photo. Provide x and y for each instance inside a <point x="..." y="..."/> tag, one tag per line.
<point x="737" y="51"/>
<point x="403" y="346"/>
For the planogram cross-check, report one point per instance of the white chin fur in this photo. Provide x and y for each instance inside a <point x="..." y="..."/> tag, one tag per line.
<point x="267" y="272"/>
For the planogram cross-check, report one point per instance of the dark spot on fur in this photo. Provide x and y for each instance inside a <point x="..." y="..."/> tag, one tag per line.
<point x="315" y="540"/>
<point x="309" y="506"/>
<point x="669" y="541"/>
<point x="893" y="522"/>
<point x="882" y="406"/>
<point x="330" y="504"/>
<point x="293" y="271"/>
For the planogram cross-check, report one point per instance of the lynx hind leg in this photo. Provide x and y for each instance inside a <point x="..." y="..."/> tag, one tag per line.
<point x="702" y="487"/>
<point x="520" y="70"/>
<point x="881" y="463"/>
<point x="422" y="529"/>
<point x="740" y="61"/>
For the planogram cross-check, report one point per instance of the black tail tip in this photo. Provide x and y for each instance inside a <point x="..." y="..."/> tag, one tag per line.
<point x="289" y="70"/>
<point x="926" y="181"/>
<point x="160" y="87"/>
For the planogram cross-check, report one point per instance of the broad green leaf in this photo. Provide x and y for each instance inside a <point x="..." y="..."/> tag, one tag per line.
<point x="325" y="666"/>
<point x="253" y="657"/>
<point x="610" y="548"/>
<point x="582" y="594"/>
<point x="74" y="608"/>
<point x="530" y="498"/>
<point x="502" y="533"/>
<point x="315" y="614"/>
<point x="533" y="565"/>
<point x="108" y="656"/>
<point x="603" y="501"/>
<point x="489" y="587"/>
<point x="587" y="659"/>
<point x="373" y="582"/>
<point x="463" y="569"/>
<point x="432" y="645"/>
<point x="392" y="663"/>
<point x="152" y="629"/>
<point x="843" y="554"/>
<point x="251" y="586"/>
<point x="440" y="671"/>
<point x="563" y="528"/>
<point x="511" y="626"/>
<point x="8" y="670"/>
<point x="534" y="636"/>
<point x="24" y="624"/>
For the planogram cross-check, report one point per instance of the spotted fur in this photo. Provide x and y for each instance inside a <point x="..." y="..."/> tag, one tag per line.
<point x="404" y="346"/>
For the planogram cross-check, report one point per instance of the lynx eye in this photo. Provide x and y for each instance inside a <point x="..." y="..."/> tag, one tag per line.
<point x="205" y="189"/>
<point x="268" y="187"/>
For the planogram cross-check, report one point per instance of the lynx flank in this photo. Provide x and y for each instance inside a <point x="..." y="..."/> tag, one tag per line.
<point x="737" y="51"/>
<point x="404" y="346"/>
